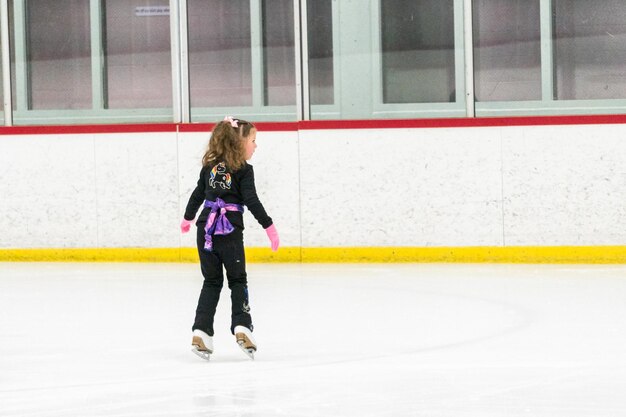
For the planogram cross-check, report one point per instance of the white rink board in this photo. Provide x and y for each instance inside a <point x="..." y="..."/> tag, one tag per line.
<point x="401" y="187"/>
<point x="564" y="185"/>
<point x="473" y="186"/>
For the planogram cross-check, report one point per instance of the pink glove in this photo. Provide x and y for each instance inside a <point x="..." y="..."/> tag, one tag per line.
<point x="185" y="225"/>
<point x="273" y="235"/>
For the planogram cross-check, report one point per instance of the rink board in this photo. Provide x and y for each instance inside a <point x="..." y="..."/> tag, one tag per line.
<point x="537" y="189"/>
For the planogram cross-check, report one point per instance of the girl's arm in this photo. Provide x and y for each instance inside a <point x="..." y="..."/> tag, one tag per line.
<point x="196" y="198"/>
<point x="251" y="200"/>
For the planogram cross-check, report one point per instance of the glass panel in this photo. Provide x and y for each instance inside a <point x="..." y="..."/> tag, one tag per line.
<point x="320" y="40"/>
<point x="59" y="54"/>
<point x="279" y="53"/>
<point x="1" y="90"/>
<point x="12" y="52"/>
<point x="138" y="57"/>
<point x="418" y="51"/>
<point x="589" y="49"/>
<point x="507" y="51"/>
<point x="219" y="53"/>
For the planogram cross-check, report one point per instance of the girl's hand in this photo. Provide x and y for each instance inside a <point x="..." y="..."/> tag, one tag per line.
<point x="273" y="235"/>
<point x="185" y="225"/>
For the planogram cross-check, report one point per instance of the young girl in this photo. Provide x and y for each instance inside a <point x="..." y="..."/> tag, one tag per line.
<point x="226" y="184"/>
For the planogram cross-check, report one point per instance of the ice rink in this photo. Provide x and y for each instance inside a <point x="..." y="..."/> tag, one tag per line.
<point x="80" y="339"/>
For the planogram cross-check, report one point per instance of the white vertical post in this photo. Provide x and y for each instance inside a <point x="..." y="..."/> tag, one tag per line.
<point x="298" y="57"/>
<point x="256" y="51"/>
<point x="547" y="77"/>
<point x="468" y="37"/>
<point x="336" y="27"/>
<point x="7" y="102"/>
<point x="303" y="39"/>
<point x="98" y="71"/>
<point x="183" y="56"/>
<point x="175" y="53"/>
<point x="22" y="94"/>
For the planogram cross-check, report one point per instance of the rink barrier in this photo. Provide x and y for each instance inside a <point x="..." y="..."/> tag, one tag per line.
<point x="515" y="254"/>
<point x="556" y="254"/>
<point x="295" y="126"/>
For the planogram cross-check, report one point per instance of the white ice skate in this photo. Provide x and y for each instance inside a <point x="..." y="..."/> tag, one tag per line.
<point x="202" y="344"/>
<point x="245" y="340"/>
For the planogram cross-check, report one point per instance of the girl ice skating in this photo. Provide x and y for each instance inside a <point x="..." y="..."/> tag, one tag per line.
<point x="225" y="187"/>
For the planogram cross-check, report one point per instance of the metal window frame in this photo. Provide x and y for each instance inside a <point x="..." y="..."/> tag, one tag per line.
<point x="258" y="111"/>
<point x="458" y="108"/>
<point x="548" y="105"/>
<point x="99" y="113"/>
<point x="7" y="99"/>
<point x="16" y="108"/>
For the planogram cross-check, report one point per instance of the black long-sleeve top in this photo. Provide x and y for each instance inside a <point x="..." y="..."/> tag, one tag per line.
<point x="233" y="187"/>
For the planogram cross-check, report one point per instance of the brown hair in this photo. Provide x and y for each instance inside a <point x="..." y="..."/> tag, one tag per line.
<point x="227" y="144"/>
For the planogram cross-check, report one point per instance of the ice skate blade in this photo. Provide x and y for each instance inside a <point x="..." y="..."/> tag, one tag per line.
<point x="204" y="354"/>
<point x="247" y="351"/>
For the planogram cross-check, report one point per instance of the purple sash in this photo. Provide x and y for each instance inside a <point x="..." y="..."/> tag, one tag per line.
<point x="218" y="224"/>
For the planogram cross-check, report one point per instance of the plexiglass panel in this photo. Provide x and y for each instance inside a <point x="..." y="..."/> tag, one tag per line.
<point x="320" y="42"/>
<point x="507" y="50"/>
<point x="59" y="54"/>
<point x="366" y="59"/>
<point x="138" y="56"/>
<point x="418" y="51"/>
<point x="590" y="49"/>
<point x="220" y="72"/>
<point x="279" y="53"/>
<point x="1" y="91"/>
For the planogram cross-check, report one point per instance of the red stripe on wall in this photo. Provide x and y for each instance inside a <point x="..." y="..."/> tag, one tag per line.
<point x="86" y="129"/>
<point x="462" y="122"/>
<point x="323" y="125"/>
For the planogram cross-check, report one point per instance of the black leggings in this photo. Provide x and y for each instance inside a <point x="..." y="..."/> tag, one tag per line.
<point x="228" y="253"/>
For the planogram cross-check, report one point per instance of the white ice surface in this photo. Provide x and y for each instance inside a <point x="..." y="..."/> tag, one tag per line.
<point x="334" y="340"/>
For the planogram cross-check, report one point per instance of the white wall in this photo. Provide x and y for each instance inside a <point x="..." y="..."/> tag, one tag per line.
<point x="481" y="186"/>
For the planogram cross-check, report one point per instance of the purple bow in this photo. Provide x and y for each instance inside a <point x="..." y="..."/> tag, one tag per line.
<point x="217" y="223"/>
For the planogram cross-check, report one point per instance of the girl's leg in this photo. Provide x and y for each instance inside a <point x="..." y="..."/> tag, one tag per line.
<point x="211" y="267"/>
<point x="231" y="251"/>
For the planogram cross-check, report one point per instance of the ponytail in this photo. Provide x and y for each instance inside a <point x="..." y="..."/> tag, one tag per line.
<point x="227" y="144"/>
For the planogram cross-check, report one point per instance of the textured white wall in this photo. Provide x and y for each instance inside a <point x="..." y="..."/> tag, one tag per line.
<point x="484" y="186"/>
<point x="105" y="190"/>
<point x="564" y="185"/>
<point x="401" y="187"/>
<point x="487" y="186"/>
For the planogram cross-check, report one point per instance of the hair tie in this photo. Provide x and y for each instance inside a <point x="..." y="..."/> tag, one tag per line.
<point x="233" y="122"/>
